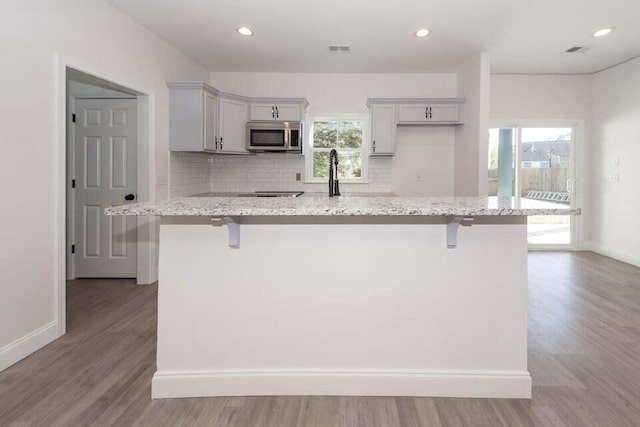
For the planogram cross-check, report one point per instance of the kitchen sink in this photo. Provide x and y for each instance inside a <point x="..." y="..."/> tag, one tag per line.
<point x="272" y="194"/>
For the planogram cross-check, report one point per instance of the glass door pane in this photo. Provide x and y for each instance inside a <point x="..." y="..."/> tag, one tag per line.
<point x="546" y="180"/>
<point x="502" y="162"/>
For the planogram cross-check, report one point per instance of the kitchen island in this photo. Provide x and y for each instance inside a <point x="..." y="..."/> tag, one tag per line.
<point x="342" y="296"/>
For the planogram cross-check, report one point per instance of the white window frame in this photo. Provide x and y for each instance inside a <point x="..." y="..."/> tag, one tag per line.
<point x="364" y="178"/>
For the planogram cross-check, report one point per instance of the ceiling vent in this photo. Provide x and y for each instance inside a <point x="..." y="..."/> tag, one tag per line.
<point x="574" y="49"/>
<point x="339" y="48"/>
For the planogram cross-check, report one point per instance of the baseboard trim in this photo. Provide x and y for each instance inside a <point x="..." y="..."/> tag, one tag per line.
<point x="612" y="253"/>
<point x="485" y="384"/>
<point x="24" y="346"/>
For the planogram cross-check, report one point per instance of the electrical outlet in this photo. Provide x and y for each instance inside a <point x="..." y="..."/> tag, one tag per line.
<point x="614" y="178"/>
<point x="162" y="180"/>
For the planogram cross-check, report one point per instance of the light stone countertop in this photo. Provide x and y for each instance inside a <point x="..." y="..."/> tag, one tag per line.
<point x="319" y="204"/>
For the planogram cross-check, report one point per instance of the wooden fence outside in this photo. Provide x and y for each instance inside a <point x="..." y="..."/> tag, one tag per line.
<point x="550" y="179"/>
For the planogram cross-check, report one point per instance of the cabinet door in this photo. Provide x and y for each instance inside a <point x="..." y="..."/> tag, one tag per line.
<point x="233" y="121"/>
<point x="263" y="112"/>
<point x="417" y="113"/>
<point x="210" y="119"/>
<point x="288" y="112"/>
<point x="446" y="113"/>
<point x="383" y="129"/>
<point x="425" y="113"/>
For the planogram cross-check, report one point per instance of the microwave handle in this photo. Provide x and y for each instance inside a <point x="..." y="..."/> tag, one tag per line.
<point x="287" y="138"/>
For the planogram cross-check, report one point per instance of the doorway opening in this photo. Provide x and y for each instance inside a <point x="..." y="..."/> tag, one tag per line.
<point x="105" y="157"/>
<point x="102" y="135"/>
<point x="536" y="166"/>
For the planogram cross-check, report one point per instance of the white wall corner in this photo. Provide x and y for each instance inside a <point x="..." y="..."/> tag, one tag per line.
<point x="471" y="145"/>
<point x="24" y="346"/>
<point x="612" y="253"/>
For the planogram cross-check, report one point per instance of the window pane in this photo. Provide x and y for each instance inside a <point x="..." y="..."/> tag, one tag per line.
<point x="321" y="165"/>
<point x="349" y="164"/>
<point x="325" y="134"/>
<point x="350" y="134"/>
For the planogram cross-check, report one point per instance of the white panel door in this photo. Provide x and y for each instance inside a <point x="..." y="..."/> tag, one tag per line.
<point x="233" y="126"/>
<point x="105" y="151"/>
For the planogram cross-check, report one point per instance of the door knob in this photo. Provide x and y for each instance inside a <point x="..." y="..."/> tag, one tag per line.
<point x="130" y="197"/>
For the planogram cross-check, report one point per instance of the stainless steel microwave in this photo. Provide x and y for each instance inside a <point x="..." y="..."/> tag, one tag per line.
<point x="274" y="136"/>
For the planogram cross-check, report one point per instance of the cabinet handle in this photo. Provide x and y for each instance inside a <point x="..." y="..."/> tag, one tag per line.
<point x="426" y="112"/>
<point x="374" y="145"/>
<point x="216" y="143"/>
<point x="221" y="143"/>
<point x="277" y="113"/>
<point x="273" y="112"/>
<point x="430" y="113"/>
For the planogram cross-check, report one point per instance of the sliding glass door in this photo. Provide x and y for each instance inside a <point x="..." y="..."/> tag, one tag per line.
<point x="536" y="166"/>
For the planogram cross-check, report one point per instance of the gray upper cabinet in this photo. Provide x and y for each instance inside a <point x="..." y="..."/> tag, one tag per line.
<point x="383" y="129"/>
<point x="204" y="119"/>
<point x="192" y="117"/>
<point x="277" y="111"/>
<point x="210" y="122"/>
<point x="429" y="113"/>
<point x="387" y="113"/>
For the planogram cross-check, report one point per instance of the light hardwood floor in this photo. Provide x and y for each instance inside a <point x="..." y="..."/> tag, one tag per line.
<point x="584" y="356"/>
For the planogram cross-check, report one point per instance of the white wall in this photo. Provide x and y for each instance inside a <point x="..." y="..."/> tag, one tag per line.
<point x="423" y="164"/>
<point x="83" y="90"/>
<point x="471" y="148"/>
<point x="552" y="100"/>
<point x="615" y="225"/>
<point x="92" y="33"/>
<point x="427" y="152"/>
<point x="540" y="97"/>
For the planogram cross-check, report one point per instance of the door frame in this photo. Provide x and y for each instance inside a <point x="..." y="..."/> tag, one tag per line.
<point x="147" y="226"/>
<point x="577" y="170"/>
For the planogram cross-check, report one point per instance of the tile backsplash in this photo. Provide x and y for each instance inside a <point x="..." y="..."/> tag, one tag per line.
<point x="189" y="173"/>
<point x="193" y="173"/>
<point x="257" y="172"/>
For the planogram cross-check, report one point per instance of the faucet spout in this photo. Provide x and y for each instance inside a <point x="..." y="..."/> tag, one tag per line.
<point x="334" y="184"/>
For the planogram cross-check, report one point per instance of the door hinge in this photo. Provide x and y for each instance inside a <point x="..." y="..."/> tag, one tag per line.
<point x="73" y="249"/>
<point x="73" y="117"/>
<point x="73" y="183"/>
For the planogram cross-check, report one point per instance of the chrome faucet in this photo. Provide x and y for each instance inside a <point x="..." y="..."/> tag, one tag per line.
<point x="334" y="185"/>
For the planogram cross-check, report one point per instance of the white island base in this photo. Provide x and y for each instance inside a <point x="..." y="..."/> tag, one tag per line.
<point x="373" y="306"/>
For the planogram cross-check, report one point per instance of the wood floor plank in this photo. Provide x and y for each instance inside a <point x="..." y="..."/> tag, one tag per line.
<point x="584" y="356"/>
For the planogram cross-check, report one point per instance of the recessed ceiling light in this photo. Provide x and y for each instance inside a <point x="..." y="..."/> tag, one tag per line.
<point x="604" y="32"/>
<point x="423" y="32"/>
<point x="245" y="31"/>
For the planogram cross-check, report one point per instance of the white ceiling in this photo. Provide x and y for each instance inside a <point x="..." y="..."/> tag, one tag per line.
<point x="522" y="36"/>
